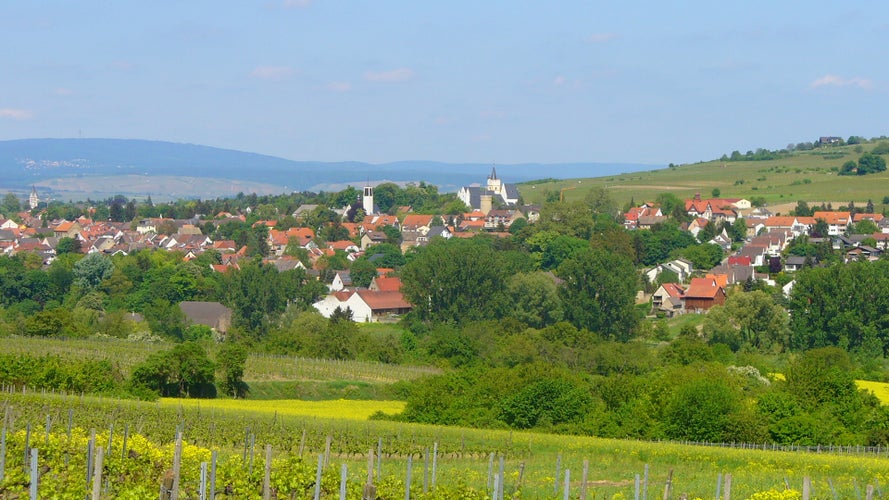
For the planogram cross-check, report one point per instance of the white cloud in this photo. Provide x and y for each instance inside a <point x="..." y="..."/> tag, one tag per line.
<point x="391" y="76"/>
<point x="63" y="91"/>
<point x="559" y="80"/>
<point x="601" y="37"/>
<point x="829" y="80"/>
<point x="271" y="72"/>
<point x="16" y="114"/>
<point x="339" y="86"/>
<point x="296" y="4"/>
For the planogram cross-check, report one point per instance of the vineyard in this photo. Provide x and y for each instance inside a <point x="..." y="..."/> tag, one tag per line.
<point x="269" y="453"/>
<point x="260" y="367"/>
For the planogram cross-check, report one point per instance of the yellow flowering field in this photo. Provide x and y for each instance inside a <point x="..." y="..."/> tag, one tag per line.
<point x="880" y="389"/>
<point x="342" y="409"/>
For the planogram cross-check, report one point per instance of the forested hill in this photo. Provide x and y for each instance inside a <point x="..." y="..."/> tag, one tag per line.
<point x="29" y="161"/>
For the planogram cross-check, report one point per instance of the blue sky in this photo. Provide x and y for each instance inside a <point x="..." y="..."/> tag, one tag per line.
<point x="459" y="81"/>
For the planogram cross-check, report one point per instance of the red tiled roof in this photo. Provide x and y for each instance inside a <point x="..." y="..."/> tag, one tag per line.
<point x="413" y="221"/>
<point x="833" y="217"/>
<point x="736" y="260"/>
<point x="673" y="290"/>
<point x="388" y="284"/>
<point x="702" y="288"/>
<point x="383" y="300"/>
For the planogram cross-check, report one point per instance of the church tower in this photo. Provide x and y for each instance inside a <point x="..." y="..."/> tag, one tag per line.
<point x="495" y="185"/>
<point x="33" y="200"/>
<point x="367" y="201"/>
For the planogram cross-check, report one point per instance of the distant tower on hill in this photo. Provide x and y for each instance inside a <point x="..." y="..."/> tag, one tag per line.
<point x="367" y="201"/>
<point x="33" y="200"/>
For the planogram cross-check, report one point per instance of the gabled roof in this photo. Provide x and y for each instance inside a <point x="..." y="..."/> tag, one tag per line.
<point x="379" y="301"/>
<point x="834" y="218"/>
<point x="703" y="288"/>
<point x="780" y="221"/>
<point x="413" y="221"/>
<point x="386" y="284"/>
<point x="673" y="289"/>
<point x="871" y="217"/>
<point x="739" y="260"/>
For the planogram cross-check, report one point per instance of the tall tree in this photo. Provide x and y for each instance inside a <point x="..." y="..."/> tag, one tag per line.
<point x="453" y="281"/>
<point x="599" y="292"/>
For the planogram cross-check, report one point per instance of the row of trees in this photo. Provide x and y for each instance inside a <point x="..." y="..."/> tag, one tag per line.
<point x="682" y="394"/>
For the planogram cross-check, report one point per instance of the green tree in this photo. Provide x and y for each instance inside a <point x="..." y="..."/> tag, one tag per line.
<point x="703" y="256"/>
<point x="231" y="361"/>
<point x="363" y="272"/>
<point x="701" y="410"/>
<point x="534" y="298"/>
<point x="454" y="281"/>
<point x="870" y="163"/>
<point x="748" y="320"/>
<point x="183" y="371"/>
<point x="865" y="226"/>
<point x="68" y="245"/>
<point x="11" y="205"/>
<point x="91" y="270"/>
<point x="257" y="295"/>
<point x="599" y="293"/>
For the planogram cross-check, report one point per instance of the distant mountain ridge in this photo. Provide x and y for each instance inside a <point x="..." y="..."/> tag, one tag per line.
<point x="30" y="161"/>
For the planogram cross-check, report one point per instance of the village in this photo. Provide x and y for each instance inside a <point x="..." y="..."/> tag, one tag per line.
<point x="494" y="208"/>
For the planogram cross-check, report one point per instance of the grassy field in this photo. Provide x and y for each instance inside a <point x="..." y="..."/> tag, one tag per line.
<point x="269" y="376"/>
<point x="464" y="458"/>
<point x="803" y="176"/>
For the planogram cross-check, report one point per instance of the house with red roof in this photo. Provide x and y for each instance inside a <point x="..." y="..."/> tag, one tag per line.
<point x="837" y="222"/>
<point x="385" y="284"/>
<point x="669" y="299"/>
<point x="367" y="306"/>
<point x="702" y="294"/>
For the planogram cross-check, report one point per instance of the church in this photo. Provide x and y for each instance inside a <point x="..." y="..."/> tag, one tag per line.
<point x="494" y="193"/>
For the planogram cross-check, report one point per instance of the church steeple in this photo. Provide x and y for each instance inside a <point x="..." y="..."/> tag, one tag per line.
<point x="33" y="200"/>
<point x="493" y="175"/>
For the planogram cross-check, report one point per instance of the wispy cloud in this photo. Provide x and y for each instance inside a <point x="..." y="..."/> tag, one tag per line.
<point x="390" y="76"/>
<point x="838" y="81"/>
<point x="271" y="72"/>
<point x="339" y="86"/>
<point x="602" y="37"/>
<point x="16" y="114"/>
<point x="63" y="91"/>
<point x="296" y="4"/>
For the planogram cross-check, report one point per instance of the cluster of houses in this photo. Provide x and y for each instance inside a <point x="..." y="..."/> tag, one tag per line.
<point x="768" y="235"/>
<point x="493" y="209"/>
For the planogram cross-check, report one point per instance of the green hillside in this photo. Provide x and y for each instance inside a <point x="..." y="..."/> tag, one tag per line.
<point x="803" y="175"/>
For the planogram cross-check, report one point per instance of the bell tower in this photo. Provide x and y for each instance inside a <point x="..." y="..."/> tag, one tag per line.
<point x="367" y="201"/>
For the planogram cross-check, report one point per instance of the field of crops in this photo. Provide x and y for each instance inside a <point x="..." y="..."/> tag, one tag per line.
<point x="804" y="176"/>
<point x="260" y="367"/>
<point x="535" y="465"/>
